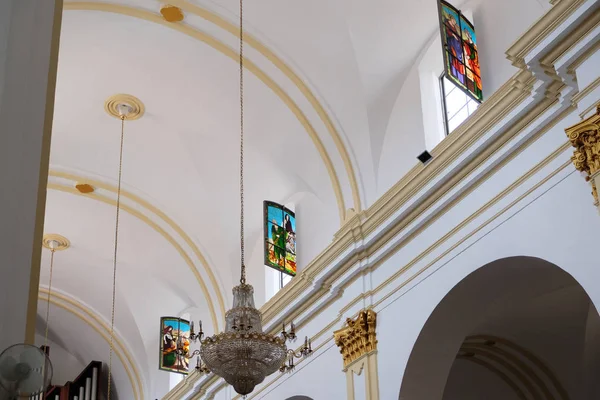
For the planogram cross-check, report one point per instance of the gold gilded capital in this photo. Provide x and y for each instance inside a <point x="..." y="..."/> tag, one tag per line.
<point x="357" y="337"/>
<point x="585" y="138"/>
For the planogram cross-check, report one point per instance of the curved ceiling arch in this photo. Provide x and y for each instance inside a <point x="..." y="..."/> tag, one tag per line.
<point x="96" y="322"/>
<point x="289" y="72"/>
<point x="161" y="215"/>
<point x="262" y="76"/>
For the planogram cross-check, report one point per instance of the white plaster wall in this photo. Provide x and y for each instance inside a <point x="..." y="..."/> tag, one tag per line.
<point x="498" y="25"/>
<point x="416" y="120"/>
<point x="518" y="236"/>
<point x="404" y="139"/>
<point x="431" y="67"/>
<point x="320" y="377"/>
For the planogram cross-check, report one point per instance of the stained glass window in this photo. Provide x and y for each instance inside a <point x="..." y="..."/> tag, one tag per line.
<point x="280" y="238"/>
<point x="461" y="56"/>
<point x="174" y="334"/>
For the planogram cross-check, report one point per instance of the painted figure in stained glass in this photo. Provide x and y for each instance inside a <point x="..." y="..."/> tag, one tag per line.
<point x="460" y="51"/>
<point x="471" y="58"/>
<point x="453" y="44"/>
<point x="174" y="335"/>
<point x="280" y="238"/>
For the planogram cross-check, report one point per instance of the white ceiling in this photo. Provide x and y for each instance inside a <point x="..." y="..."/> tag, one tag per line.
<point x="180" y="229"/>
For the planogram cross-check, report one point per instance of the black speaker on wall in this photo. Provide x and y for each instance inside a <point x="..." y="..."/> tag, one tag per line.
<point x="424" y="157"/>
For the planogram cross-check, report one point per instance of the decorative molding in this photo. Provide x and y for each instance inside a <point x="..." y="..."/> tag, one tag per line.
<point x="550" y="21"/>
<point x="136" y="107"/>
<point x="358" y="337"/>
<point x="585" y="138"/>
<point x="61" y="242"/>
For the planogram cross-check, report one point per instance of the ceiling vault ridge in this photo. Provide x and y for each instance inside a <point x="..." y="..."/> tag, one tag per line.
<point x="158" y="220"/>
<point x="95" y="321"/>
<point x="354" y="178"/>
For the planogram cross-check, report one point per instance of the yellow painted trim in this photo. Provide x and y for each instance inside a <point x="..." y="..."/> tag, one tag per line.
<point x="227" y="51"/>
<point x="163" y="216"/>
<point x="84" y="314"/>
<point x="283" y="67"/>
<point x="36" y="256"/>
<point x="157" y="228"/>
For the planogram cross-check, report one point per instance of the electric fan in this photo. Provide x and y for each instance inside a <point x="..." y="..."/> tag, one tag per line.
<point x="25" y="371"/>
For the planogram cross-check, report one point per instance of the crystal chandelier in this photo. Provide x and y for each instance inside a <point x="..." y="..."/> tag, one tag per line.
<point x="243" y="355"/>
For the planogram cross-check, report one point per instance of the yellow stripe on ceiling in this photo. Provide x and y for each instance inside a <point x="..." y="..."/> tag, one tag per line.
<point x="260" y="74"/>
<point x="157" y="228"/>
<point x="283" y="67"/>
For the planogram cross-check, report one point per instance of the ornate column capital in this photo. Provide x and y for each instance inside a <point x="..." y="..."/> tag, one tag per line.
<point x="358" y="337"/>
<point x="585" y="138"/>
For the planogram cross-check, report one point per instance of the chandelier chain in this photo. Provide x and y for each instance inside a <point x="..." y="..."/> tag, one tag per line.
<point x="114" y="284"/>
<point x="48" y="299"/>
<point x="243" y="266"/>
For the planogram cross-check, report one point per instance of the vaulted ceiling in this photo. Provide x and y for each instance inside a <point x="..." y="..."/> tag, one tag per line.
<point x="322" y="78"/>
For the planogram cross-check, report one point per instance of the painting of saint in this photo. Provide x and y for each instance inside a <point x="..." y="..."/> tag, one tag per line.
<point x="460" y="51"/>
<point x="471" y="58"/>
<point x="175" y="345"/>
<point x="280" y="238"/>
<point x="454" y="45"/>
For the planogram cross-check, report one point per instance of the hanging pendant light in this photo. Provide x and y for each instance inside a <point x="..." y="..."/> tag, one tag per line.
<point x="54" y="243"/>
<point x="124" y="107"/>
<point x="243" y="354"/>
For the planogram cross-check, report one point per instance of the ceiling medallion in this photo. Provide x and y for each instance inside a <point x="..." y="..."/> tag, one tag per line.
<point x="53" y="241"/>
<point x="171" y="13"/>
<point x="116" y="104"/>
<point x="243" y="355"/>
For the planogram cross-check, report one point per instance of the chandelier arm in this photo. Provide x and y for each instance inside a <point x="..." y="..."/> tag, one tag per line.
<point x="242" y="255"/>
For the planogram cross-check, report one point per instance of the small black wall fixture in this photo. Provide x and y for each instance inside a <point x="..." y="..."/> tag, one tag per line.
<point x="424" y="157"/>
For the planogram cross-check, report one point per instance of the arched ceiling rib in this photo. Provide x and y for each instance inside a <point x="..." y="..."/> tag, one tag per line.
<point x="260" y="74"/>
<point x="94" y="321"/>
<point x="155" y="213"/>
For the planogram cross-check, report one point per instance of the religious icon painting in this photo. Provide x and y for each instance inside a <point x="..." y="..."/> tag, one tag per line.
<point x="461" y="57"/>
<point x="280" y="238"/>
<point x="174" y="335"/>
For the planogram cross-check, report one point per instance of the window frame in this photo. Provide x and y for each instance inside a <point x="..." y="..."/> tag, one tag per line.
<point x="443" y="85"/>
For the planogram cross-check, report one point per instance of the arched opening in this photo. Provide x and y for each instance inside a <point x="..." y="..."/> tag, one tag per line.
<point x="518" y="328"/>
<point x="299" y="398"/>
